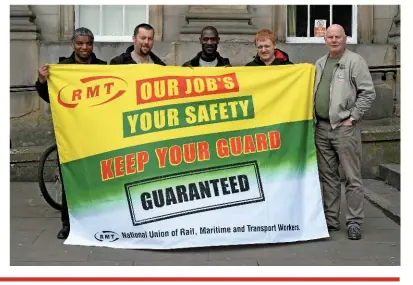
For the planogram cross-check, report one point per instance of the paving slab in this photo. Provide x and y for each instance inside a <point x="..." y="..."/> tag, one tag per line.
<point x="71" y="263"/>
<point x="34" y="226"/>
<point x="112" y="254"/>
<point x="183" y="262"/>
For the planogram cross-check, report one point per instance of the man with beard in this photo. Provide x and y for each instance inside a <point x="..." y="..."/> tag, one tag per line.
<point x="141" y="50"/>
<point x="267" y="52"/>
<point x="82" y="44"/>
<point x="208" y="57"/>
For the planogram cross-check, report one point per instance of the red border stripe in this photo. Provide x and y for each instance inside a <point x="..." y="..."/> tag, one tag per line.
<point x="199" y="279"/>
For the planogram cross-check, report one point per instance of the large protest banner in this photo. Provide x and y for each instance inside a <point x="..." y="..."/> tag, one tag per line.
<point x="172" y="157"/>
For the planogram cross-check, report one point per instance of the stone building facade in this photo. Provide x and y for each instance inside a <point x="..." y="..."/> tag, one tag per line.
<point x="41" y="34"/>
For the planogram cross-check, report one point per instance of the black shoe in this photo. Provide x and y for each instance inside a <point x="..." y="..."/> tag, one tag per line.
<point x="332" y="229"/>
<point x="64" y="232"/>
<point x="354" y="232"/>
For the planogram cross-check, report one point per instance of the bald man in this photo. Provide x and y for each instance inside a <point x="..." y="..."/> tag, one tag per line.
<point x="343" y="92"/>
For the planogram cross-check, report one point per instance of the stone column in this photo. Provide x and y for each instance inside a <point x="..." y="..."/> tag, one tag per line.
<point x="21" y="23"/>
<point x="156" y="20"/>
<point x="280" y="22"/>
<point x="67" y="22"/>
<point x="24" y="57"/>
<point x="26" y="128"/>
<point x="365" y="24"/>
<point x="394" y="34"/>
<point x="233" y="22"/>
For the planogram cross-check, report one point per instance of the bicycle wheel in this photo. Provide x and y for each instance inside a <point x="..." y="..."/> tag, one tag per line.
<point x="49" y="173"/>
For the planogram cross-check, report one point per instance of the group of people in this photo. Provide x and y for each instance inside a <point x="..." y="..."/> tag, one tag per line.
<point x="343" y="92"/>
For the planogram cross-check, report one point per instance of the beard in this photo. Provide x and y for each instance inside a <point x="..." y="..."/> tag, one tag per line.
<point x="209" y="50"/>
<point x="143" y="52"/>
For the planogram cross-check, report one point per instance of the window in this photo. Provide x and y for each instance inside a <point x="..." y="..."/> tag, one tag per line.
<point x="301" y="20"/>
<point x="111" y="23"/>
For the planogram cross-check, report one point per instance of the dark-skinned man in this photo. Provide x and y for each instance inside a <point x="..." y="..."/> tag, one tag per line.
<point x="82" y="44"/>
<point x="208" y="57"/>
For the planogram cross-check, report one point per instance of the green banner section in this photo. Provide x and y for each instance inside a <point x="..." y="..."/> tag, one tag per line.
<point x="277" y="148"/>
<point x="187" y="115"/>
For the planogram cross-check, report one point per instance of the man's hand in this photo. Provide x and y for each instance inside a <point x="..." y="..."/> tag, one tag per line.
<point x="43" y="73"/>
<point x="348" y="122"/>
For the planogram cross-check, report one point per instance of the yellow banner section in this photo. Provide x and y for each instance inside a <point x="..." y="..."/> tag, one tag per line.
<point x="98" y="108"/>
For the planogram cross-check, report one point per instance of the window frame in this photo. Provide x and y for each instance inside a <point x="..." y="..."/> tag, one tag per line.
<point x="101" y="38"/>
<point x="320" y="40"/>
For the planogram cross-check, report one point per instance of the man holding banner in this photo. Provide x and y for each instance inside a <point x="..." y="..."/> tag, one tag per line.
<point x="267" y="52"/>
<point x="209" y="56"/>
<point x="82" y="44"/>
<point x="141" y="50"/>
<point x="344" y="91"/>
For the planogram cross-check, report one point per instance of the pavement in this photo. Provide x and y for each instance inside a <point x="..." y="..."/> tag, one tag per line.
<point x="34" y="226"/>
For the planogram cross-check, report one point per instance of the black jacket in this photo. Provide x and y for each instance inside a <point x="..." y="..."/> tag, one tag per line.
<point x="281" y="58"/>
<point x="222" y="61"/>
<point x="126" y="58"/>
<point x="42" y="88"/>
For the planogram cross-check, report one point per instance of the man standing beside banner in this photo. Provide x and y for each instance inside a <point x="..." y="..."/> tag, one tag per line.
<point x="344" y="91"/>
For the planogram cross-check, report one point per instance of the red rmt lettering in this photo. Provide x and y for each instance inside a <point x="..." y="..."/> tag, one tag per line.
<point x="94" y="91"/>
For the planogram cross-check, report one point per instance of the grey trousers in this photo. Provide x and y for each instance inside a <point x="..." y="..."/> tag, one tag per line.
<point x="334" y="147"/>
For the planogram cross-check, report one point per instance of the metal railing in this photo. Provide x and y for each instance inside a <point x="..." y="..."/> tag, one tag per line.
<point x="22" y="88"/>
<point x="385" y="69"/>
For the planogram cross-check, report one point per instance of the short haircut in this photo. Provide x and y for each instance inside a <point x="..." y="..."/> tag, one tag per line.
<point x="211" y="28"/>
<point x="266" y="34"/>
<point x="144" y="26"/>
<point x="83" y="32"/>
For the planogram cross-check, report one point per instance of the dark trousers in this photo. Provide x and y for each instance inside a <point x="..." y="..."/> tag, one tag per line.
<point x="65" y="210"/>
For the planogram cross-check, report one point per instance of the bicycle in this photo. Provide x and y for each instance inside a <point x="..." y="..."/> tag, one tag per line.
<point x="49" y="172"/>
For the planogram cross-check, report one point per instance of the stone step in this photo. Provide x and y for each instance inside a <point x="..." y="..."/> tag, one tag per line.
<point x="381" y="145"/>
<point x="390" y="173"/>
<point x="384" y="196"/>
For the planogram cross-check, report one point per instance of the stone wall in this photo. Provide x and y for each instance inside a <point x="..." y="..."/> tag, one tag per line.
<point x="176" y="53"/>
<point x="24" y="53"/>
<point x="30" y="116"/>
<point x="49" y="19"/>
<point x="173" y="20"/>
<point x="383" y="21"/>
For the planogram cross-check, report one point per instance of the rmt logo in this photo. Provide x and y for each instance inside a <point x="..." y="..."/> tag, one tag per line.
<point x="108" y="236"/>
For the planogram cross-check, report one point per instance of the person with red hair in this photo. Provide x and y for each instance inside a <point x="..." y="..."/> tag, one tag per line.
<point x="267" y="51"/>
